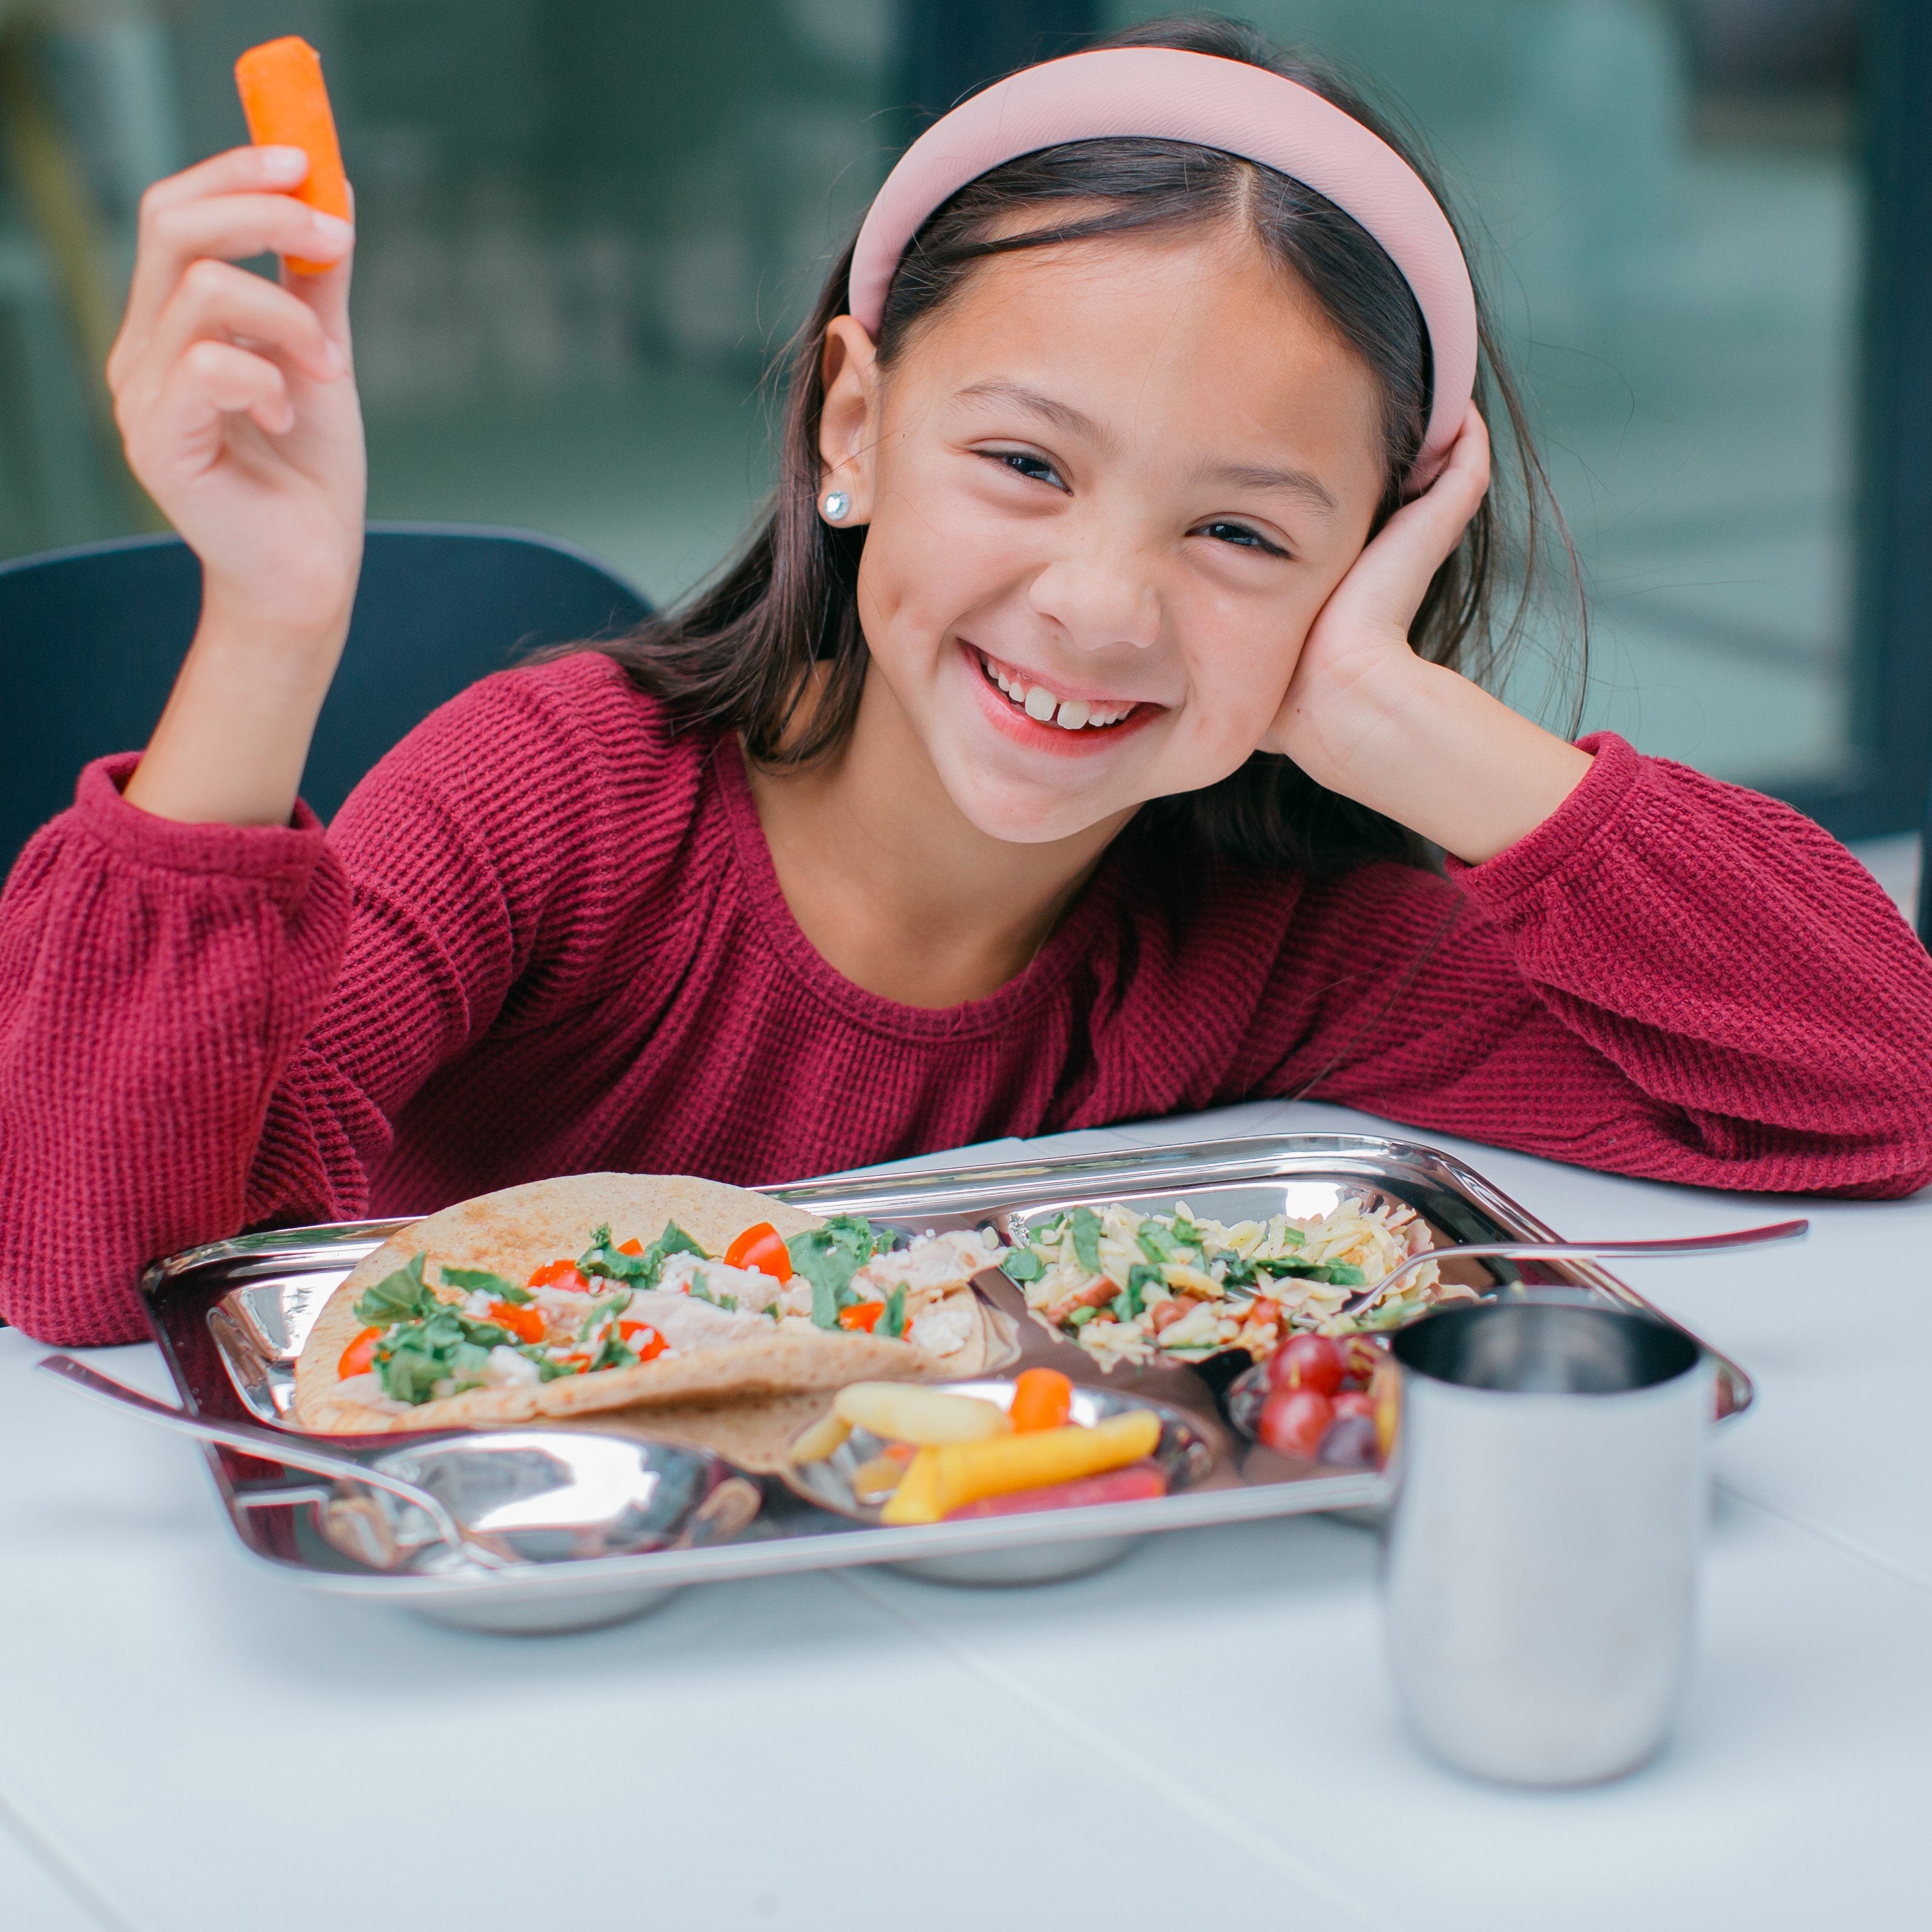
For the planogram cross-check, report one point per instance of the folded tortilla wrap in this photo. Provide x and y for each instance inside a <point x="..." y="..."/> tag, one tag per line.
<point x="519" y="1229"/>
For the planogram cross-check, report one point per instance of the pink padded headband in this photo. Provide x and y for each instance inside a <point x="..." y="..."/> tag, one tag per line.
<point x="1164" y="94"/>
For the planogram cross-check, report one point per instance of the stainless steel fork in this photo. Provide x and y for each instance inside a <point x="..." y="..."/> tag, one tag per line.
<point x="1592" y="1251"/>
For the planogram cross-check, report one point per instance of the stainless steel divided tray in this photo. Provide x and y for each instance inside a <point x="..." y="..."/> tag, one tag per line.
<point x="231" y="1319"/>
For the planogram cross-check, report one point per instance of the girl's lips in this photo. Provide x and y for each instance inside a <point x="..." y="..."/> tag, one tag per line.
<point x="1011" y="722"/>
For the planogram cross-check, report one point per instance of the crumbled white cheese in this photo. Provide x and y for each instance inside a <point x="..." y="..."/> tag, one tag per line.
<point x="945" y="1329"/>
<point x="506" y="1369"/>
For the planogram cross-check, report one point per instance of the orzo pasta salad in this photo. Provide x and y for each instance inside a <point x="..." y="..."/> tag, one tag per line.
<point x="1131" y="1287"/>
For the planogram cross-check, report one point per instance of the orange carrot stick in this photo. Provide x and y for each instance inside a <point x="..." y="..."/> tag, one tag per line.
<point x="287" y="106"/>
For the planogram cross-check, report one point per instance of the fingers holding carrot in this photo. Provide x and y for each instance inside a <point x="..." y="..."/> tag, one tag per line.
<point x="226" y="209"/>
<point x="233" y="392"/>
<point x="286" y="195"/>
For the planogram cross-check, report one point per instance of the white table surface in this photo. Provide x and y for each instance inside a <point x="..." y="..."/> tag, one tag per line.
<point x="1202" y="1737"/>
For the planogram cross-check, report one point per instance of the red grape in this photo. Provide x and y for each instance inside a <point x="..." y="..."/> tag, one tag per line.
<point x="1294" y="1420"/>
<point x="1350" y="1442"/>
<point x="1306" y="1362"/>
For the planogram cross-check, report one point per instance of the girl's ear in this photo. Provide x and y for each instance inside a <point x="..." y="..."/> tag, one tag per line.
<point x="847" y="430"/>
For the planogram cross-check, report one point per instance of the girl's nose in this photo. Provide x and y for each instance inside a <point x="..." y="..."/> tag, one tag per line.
<point x="1100" y="598"/>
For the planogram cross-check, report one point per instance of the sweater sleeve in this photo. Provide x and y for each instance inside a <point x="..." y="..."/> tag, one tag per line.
<point x="204" y="1028"/>
<point x="1672" y="977"/>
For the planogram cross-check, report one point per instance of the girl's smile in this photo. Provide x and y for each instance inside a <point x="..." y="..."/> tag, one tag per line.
<point x="1054" y="717"/>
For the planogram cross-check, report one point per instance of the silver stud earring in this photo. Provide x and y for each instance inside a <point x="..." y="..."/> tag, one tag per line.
<point x="836" y="504"/>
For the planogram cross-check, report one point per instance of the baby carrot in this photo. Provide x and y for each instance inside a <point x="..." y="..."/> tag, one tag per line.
<point x="287" y="106"/>
<point x="1042" y="1399"/>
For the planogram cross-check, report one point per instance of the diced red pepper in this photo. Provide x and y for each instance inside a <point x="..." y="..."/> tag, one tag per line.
<point x="632" y="1246"/>
<point x="526" y="1324"/>
<point x="761" y="1247"/>
<point x="359" y="1357"/>
<point x="862" y="1316"/>
<point x="560" y="1274"/>
<point x="642" y="1338"/>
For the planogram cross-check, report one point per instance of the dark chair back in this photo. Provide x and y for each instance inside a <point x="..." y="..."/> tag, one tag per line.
<point x="1925" y="878"/>
<point x="91" y="639"/>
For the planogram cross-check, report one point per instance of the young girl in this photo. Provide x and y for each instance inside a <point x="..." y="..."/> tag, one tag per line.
<point x="1061" y="751"/>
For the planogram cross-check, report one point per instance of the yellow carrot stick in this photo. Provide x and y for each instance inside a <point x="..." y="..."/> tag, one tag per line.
<point x="824" y="1438"/>
<point x="287" y="106"/>
<point x="914" y="1500"/>
<point x="965" y="1472"/>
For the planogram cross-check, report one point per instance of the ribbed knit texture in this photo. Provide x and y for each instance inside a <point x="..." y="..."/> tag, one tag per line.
<point x="544" y="936"/>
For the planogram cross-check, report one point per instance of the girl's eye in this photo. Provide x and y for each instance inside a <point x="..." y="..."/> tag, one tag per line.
<point x="1024" y="463"/>
<point x="1241" y="536"/>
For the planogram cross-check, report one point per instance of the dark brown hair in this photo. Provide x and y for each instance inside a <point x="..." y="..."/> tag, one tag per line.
<point x="739" y="654"/>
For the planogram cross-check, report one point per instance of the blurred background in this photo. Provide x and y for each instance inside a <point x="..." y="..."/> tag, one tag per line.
<point x="587" y="224"/>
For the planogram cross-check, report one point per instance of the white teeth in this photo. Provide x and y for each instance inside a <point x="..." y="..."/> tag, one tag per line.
<point x="1071" y="714"/>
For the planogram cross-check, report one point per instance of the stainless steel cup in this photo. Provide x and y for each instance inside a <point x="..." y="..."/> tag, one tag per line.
<point x="1540" y="1574"/>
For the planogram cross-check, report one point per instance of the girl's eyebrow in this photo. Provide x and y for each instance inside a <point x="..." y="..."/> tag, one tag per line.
<point x="1291" y="482"/>
<point x="1061" y="415"/>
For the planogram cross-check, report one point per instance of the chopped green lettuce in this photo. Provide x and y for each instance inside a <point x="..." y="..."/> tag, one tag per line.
<point x="494" y="1286"/>
<point x="643" y="1270"/>
<point x="1085" y="1228"/>
<point x="828" y="1257"/>
<point x="399" y="1297"/>
<point x="1158" y="1245"/>
<point x="443" y="1345"/>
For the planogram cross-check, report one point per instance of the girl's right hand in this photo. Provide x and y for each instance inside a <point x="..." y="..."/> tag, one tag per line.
<point x="235" y="397"/>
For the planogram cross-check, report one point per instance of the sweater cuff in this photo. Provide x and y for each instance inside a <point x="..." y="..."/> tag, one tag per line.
<point x="282" y="857"/>
<point x="1616" y="774"/>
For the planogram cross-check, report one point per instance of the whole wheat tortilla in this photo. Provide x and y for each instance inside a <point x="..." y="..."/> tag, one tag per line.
<point x="517" y="1230"/>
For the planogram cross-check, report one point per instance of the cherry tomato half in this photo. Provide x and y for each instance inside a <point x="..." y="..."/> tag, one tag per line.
<point x="526" y="1324"/>
<point x="862" y="1315"/>
<point x="1354" y="1402"/>
<point x="560" y="1274"/>
<point x="642" y="1339"/>
<point x="359" y="1357"/>
<point x="761" y="1247"/>
<point x="1294" y="1420"/>
<point x="1306" y="1362"/>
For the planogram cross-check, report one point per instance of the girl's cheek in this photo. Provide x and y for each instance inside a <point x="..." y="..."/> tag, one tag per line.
<point x="1238" y="671"/>
<point x="933" y="566"/>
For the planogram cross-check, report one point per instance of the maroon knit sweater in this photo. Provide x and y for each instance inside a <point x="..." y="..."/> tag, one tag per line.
<point x="544" y="936"/>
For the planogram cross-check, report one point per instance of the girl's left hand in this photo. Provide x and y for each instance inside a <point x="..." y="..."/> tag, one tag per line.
<point x="1366" y="717"/>
<point x="1357" y="663"/>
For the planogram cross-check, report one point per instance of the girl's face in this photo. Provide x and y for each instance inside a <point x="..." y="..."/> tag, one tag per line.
<point x="1109" y="487"/>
